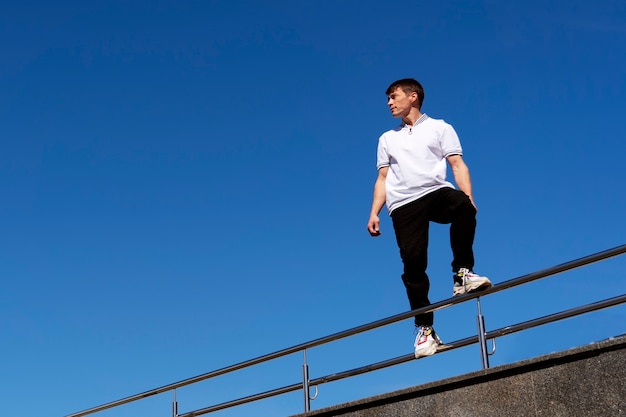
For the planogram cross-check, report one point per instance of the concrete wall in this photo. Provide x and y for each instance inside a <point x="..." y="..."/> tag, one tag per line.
<point x="585" y="381"/>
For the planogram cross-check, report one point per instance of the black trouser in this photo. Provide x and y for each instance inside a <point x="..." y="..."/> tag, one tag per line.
<point x="411" y="223"/>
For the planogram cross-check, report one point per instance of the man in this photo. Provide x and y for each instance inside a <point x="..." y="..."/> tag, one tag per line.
<point x="411" y="181"/>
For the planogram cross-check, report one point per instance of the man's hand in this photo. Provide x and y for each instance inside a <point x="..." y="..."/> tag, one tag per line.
<point x="373" y="226"/>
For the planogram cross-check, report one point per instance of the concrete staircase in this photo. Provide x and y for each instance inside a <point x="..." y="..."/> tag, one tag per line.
<point x="584" y="381"/>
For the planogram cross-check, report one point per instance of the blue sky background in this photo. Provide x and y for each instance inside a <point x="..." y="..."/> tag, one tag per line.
<point x="186" y="185"/>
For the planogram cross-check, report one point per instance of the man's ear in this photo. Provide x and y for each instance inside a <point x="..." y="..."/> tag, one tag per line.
<point x="414" y="97"/>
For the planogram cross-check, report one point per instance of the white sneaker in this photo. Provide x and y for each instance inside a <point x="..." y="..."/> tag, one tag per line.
<point x="466" y="281"/>
<point x="426" y="341"/>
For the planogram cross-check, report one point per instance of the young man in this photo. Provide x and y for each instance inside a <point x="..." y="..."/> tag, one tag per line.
<point x="411" y="181"/>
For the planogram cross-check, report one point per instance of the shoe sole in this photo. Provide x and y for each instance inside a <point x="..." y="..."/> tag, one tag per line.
<point x="431" y="350"/>
<point x="465" y="290"/>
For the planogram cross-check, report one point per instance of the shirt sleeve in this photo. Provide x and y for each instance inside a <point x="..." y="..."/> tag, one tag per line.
<point x="450" y="143"/>
<point x="382" y="155"/>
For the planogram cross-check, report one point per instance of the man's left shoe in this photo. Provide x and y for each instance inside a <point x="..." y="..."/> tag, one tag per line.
<point x="466" y="281"/>
<point x="426" y="341"/>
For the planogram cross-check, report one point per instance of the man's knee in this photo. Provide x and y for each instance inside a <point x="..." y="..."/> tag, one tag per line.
<point x="463" y="206"/>
<point x="416" y="283"/>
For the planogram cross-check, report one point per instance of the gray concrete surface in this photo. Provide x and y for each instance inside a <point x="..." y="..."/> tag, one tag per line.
<point x="580" y="382"/>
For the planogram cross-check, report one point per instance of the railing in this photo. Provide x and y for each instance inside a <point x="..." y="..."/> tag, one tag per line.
<point x="481" y="338"/>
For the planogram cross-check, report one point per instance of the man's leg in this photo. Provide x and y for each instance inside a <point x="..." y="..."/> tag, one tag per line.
<point x="454" y="207"/>
<point x="410" y="223"/>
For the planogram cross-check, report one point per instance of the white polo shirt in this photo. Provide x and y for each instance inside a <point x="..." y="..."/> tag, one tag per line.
<point x="416" y="157"/>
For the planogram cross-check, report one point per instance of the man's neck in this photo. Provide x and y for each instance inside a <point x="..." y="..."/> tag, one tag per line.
<point x="412" y="117"/>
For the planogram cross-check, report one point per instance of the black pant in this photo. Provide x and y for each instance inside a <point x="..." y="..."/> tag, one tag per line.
<point x="411" y="223"/>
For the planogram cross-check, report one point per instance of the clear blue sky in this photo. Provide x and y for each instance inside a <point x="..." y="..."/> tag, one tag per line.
<point x="186" y="185"/>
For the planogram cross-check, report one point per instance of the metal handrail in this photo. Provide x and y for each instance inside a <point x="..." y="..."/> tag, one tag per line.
<point x="611" y="302"/>
<point x="619" y="250"/>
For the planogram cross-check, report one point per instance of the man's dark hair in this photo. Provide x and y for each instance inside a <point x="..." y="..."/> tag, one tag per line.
<point x="408" y="85"/>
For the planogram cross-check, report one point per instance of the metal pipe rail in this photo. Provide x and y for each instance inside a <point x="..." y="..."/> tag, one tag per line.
<point x="611" y="302"/>
<point x="616" y="251"/>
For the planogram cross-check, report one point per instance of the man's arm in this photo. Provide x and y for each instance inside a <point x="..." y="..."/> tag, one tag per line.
<point x="461" y="176"/>
<point x="380" y="195"/>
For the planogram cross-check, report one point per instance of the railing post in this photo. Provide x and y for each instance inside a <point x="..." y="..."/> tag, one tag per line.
<point x="174" y="405"/>
<point x="482" y="341"/>
<point x="305" y="384"/>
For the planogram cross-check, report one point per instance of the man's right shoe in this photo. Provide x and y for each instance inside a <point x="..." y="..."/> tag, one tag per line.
<point x="466" y="281"/>
<point x="426" y="341"/>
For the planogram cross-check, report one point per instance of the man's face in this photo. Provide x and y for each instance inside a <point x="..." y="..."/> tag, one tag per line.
<point x="400" y="103"/>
